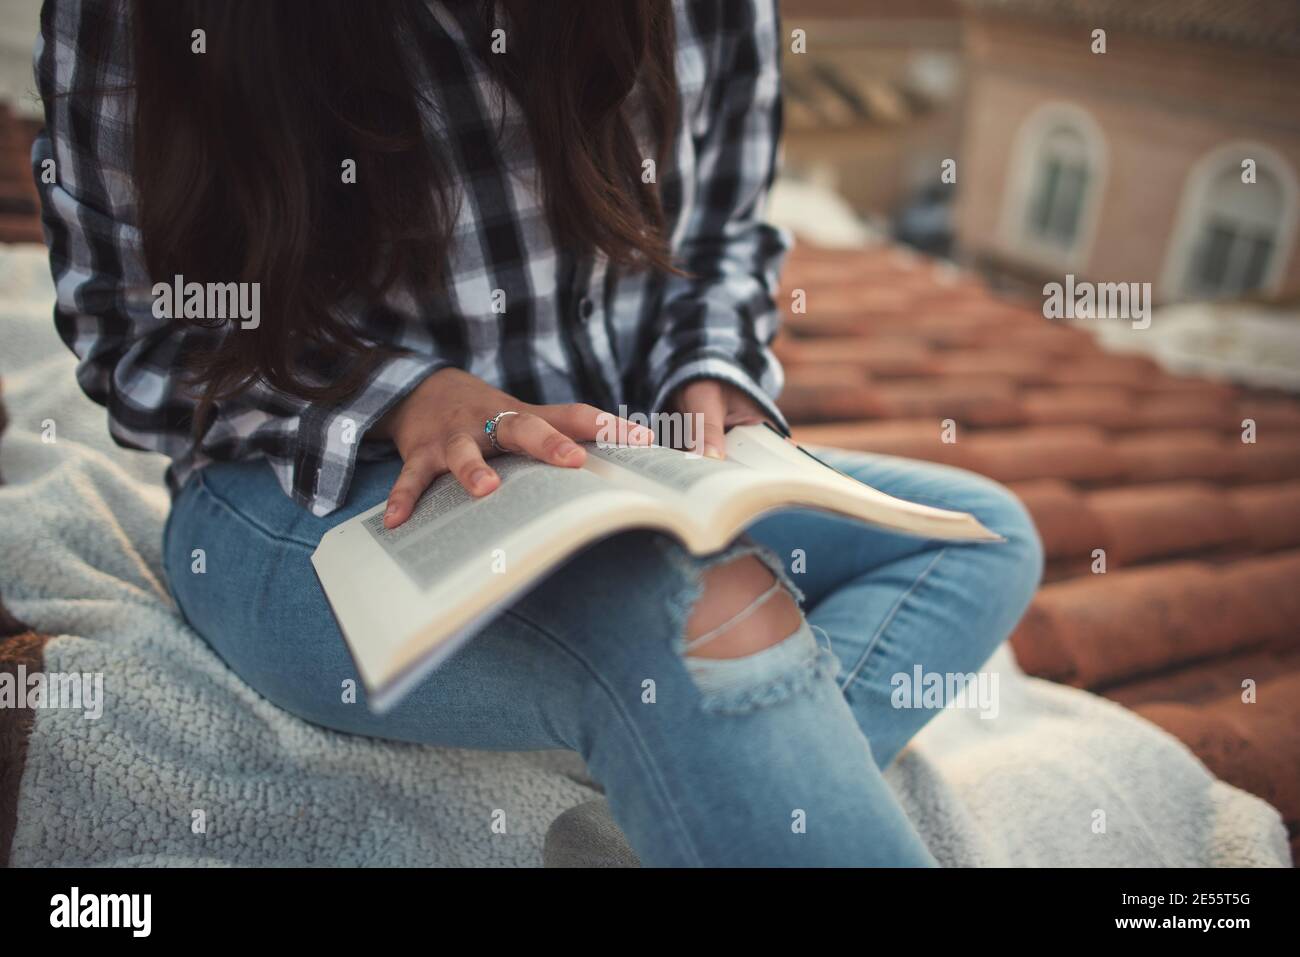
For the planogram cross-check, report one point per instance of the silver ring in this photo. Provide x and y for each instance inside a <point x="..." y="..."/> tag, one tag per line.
<point x="491" y="425"/>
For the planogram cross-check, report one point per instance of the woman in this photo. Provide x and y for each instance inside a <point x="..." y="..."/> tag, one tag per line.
<point x="445" y="211"/>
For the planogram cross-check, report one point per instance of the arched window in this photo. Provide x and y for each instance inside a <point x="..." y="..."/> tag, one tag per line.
<point x="1055" y="205"/>
<point x="1233" y="236"/>
<point x="1054" y="185"/>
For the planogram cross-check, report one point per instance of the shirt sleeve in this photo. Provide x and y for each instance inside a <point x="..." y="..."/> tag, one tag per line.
<point x="718" y="322"/>
<point x="130" y="360"/>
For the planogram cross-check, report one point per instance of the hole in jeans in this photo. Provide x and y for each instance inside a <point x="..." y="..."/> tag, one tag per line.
<point x="746" y="643"/>
<point x="743" y="608"/>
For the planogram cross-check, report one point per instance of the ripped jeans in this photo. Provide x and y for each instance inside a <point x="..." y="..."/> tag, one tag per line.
<point x="772" y="758"/>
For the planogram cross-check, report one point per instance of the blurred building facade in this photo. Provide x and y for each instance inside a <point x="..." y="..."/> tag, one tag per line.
<point x="1118" y="166"/>
<point x="873" y="101"/>
<point x="1171" y="157"/>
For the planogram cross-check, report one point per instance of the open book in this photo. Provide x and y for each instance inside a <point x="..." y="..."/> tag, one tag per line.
<point x="406" y="598"/>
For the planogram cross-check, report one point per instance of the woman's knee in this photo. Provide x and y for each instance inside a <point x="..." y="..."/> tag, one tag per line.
<point x="1020" y="557"/>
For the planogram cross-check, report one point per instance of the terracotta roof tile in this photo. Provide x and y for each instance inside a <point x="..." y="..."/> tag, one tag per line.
<point x="19" y="228"/>
<point x="1262" y="594"/>
<point x="18" y="199"/>
<point x="1190" y="410"/>
<point x="19" y="204"/>
<point x="973" y="401"/>
<point x="939" y="325"/>
<point x="898" y="356"/>
<point x="1045" y="339"/>
<point x="1068" y="528"/>
<point x="1165" y="456"/>
<point x="1023" y="367"/>
<point x="1168" y="519"/>
<point x="1250" y="744"/>
<point x="1207" y="681"/>
<point x="1099" y="629"/>
<point x="1271" y="514"/>
<point x="1079" y="405"/>
<point x="1270" y="415"/>
<point x="1165" y="384"/>
<point x="1274" y="459"/>
<point x="1142" y="523"/>
<point x="1078" y="453"/>
<point x="861" y="307"/>
<point x="828" y="393"/>
<point x="1102" y="370"/>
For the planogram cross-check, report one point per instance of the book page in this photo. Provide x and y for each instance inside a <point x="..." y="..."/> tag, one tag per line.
<point x="406" y="598"/>
<point x="449" y="525"/>
<point x="673" y="470"/>
<point x="794" y="476"/>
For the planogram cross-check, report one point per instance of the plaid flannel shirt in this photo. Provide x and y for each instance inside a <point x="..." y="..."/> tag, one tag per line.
<point x="574" y="329"/>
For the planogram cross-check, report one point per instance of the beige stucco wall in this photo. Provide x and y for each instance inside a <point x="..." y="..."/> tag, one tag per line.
<point x="1160" y="106"/>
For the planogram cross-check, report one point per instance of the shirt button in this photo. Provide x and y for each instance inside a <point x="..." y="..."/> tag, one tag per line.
<point x="586" y="308"/>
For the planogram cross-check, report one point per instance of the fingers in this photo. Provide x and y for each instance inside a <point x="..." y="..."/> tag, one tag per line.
<point x="706" y="400"/>
<point x="586" y="423"/>
<point x="546" y="433"/>
<point x="418" y="471"/>
<point x="742" y="410"/>
<point x="533" y="435"/>
<point x="461" y="456"/>
<point x="465" y="461"/>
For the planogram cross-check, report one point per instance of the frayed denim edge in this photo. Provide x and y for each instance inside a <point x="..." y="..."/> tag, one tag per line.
<point x="820" y="663"/>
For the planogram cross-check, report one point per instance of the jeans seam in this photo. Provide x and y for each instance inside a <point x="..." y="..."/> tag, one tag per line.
<point x="643" y="752"/>
<point x="889" y="620"/>
<point x="229" y="506"/>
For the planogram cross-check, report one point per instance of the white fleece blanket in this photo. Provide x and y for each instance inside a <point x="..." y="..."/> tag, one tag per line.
<point x="1061" y="777"/>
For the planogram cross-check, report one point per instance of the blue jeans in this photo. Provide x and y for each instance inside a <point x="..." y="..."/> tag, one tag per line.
<point x="770" y="759"/>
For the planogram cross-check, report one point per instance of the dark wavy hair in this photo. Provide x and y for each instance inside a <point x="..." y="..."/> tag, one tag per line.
<point x="238" y="157"/>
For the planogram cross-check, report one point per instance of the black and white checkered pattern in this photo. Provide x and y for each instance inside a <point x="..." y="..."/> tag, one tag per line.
<point x="571" y="330"/>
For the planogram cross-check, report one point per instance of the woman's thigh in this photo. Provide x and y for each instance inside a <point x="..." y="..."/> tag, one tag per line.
<point x="585" y="640"/>
<point x="238" y="559"/>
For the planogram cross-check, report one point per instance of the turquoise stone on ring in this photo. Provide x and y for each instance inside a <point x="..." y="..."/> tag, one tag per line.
<point x="490" y="428"/>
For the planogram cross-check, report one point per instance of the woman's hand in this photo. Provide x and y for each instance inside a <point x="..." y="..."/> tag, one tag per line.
<point x="438" y="428"/>
<point x="720" y="406"/>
